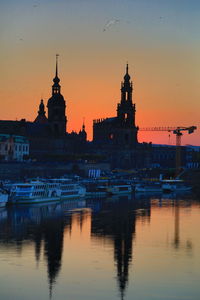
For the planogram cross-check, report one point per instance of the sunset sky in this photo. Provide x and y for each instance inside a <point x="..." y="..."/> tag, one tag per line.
<point x="160" y="40"/>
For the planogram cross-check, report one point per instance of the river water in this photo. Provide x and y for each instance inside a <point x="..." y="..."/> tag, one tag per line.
<point x="115" y="248"/>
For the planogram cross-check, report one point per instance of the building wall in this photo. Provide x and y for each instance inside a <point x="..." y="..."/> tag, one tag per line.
<point x="13" y="147"/>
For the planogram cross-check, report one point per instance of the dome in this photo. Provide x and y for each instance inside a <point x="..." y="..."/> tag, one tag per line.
<point x="56" y="99"/>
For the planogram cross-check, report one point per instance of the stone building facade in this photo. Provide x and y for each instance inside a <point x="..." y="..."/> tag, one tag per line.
<point x="13" y="147"/>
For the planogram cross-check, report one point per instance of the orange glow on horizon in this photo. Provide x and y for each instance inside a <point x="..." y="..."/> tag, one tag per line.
<point x="94" y="93"/>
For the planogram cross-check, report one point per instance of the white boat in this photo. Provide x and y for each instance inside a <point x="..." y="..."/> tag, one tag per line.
<point x="3" y="198"/>
<point x="67" y="188"/>
<point x="117" y="189"/>
<point x="46" y="190"/>
<point x="174" y="185"/>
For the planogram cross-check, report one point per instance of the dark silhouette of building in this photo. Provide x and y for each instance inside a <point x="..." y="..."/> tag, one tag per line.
<point x="121" y="130"/>
<point x="47" y="135"/>
<point x="116" y="137"/>
<point x="56" y="108"/>
<point x="41" y="118"/>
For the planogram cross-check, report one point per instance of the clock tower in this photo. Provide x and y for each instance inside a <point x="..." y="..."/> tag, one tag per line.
<point x="56" y="108"/>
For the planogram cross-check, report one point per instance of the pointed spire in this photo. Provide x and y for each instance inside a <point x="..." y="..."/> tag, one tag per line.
<point x="41" y="108"/>
<point x="127" y="68"/>
<point x="127" y="76"/>
<point x="83" y="126"/>
<point x="56" y="80"/>
<point x="57" y="65"/>
<point x="41" y="118"/>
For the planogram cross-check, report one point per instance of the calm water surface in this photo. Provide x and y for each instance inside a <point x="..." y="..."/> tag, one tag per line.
<point x="139" y="248"/>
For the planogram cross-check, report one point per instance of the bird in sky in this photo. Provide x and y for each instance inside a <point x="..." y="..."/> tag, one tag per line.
<point x="110" y="23"/>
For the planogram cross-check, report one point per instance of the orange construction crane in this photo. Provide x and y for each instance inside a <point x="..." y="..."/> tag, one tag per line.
<point x="178" y="132"/>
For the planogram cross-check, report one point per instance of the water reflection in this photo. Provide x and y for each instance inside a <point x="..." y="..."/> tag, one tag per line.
<point x="115" y="219"/>
<point x="42" y="224"/>
<point x="117" y="222"/>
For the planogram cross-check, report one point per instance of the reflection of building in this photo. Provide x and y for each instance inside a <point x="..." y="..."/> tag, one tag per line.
<point x="117" y="222"/>
<point x="43" y="225"/>
<point x="13" y="147"/>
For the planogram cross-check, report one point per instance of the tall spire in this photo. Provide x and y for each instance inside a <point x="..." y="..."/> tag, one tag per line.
<point x="127" y="68"/>
<point x="127" y="76"/>
<point x="57" y="65"/>
<point x="56" y="80"/>
<point x="83" y="126"/>
<point x="126" y="87"/>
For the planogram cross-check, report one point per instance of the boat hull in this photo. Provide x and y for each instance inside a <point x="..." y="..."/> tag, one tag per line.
<point x="42" y="200"/>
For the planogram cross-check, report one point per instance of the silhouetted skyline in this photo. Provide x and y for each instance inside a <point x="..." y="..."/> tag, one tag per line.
<point x="159" y="39"/>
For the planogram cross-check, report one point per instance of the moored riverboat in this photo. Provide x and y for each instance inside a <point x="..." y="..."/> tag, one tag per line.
<point x="45" y="191"/>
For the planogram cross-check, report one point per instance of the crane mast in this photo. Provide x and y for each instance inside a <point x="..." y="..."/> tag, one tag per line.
<point x="178" y="132"/>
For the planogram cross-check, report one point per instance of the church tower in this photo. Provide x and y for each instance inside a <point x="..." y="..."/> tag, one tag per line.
<point x="121" y="130"/>
<point x="127" y="130"/>
<point x="41" y="117"/>
<point x="56" y="108"/>
<point x="126" y="108"/>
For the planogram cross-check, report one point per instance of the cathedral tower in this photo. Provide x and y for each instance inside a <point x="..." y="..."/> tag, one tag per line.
<point x="119" y="131"/>
<point x="56" y="108"/>
<point x="127" y="131"/>
<point x="126" y="108"/>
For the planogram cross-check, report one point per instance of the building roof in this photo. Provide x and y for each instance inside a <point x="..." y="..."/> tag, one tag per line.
<point x="24" y="128"/>
<point x="109" y="120"/>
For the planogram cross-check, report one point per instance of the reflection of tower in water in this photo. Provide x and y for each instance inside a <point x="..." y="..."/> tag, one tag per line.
<point x="53" y="246"/>
<point x="45" y="227"/>
<point x="117" y="222"/>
